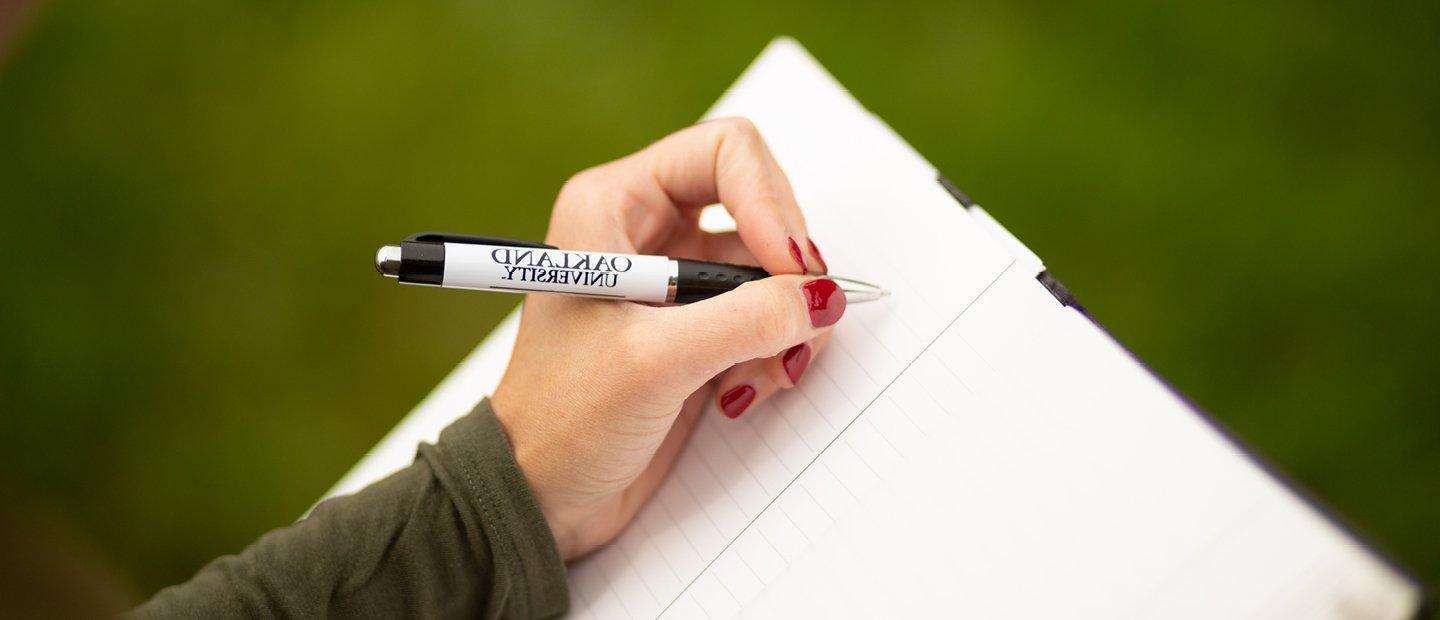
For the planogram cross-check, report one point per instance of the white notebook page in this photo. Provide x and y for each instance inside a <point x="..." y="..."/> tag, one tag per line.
<point x="968" y="447"/>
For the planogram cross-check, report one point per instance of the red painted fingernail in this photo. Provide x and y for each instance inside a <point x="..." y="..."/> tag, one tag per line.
<point x="795" y="360"/>
<point x="734" y="402"/>
<point x="795" y="254"/>
<point x="818" y="258"/>
<point x="826" y="301"/>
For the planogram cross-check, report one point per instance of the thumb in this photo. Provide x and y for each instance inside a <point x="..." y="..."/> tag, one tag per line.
<point x="758" y="319"/>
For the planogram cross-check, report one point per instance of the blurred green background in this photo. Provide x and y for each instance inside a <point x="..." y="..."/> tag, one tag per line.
<point x="193" y="346"/>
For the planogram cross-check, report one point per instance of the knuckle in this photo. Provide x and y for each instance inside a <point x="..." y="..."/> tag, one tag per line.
<point x="777" y="325"/>
<point x="740" y="129"/>
<point x="586" y="186"/>
<point x="743" y="126"/>
<point x="578" y="184"/>
<point x="769" y="196"/>
<point x="581" y="204"/>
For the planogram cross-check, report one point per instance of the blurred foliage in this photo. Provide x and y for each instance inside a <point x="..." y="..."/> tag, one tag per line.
<point x="194" y="346"/>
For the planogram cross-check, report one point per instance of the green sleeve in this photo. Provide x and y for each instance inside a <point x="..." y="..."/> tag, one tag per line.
<point x="457" y="533"/>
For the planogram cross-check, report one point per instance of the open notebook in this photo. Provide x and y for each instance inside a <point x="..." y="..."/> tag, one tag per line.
<point x="972" y="446"/>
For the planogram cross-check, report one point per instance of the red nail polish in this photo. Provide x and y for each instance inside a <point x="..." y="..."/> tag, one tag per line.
<point x="795" y="360"/>
<point x="826" y="301"/>
<point x="735" y="401"/>
<point x="795" y="254"/>
<point x="818" y="258"/>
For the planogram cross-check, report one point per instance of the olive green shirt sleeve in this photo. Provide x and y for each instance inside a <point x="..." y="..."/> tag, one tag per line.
<point x="457" y="533"/>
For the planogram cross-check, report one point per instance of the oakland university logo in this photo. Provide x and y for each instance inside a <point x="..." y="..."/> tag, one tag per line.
<point x="568" y="268"/>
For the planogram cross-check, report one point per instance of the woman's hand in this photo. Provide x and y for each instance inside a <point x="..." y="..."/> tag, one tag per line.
<point x="600" y="396"/>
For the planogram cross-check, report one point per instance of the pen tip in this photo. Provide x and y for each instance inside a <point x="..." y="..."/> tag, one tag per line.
<point x="884" y="292"/>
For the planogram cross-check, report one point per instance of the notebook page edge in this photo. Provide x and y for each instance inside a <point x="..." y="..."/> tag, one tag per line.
<point x="1422" y="599"/>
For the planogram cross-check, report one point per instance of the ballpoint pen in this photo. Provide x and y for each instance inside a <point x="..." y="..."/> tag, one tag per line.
<point x="496" y="264"/>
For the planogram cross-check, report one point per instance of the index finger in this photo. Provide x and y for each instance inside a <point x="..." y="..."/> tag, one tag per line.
<point x="727" y="161"/>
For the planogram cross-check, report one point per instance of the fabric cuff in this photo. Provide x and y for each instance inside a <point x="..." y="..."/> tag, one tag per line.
<point x="477" y="454"/>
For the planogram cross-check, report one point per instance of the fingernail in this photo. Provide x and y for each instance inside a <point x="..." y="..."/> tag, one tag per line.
<point x="826" y="301"/>
<point x="795" y="360"/>
<point x="735" y="401"/>
<point x="795" y="254"/>
<point x="818" y="258"/>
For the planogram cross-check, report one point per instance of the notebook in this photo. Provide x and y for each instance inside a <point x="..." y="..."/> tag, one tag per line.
<point x="972" y="446"/>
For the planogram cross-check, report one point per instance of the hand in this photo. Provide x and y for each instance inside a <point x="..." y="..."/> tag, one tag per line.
<point x="600" y="396"/>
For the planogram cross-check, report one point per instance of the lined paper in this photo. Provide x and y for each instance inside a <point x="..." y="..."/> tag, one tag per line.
<point x="967" y="447"/>
<point x="959" y="493"/>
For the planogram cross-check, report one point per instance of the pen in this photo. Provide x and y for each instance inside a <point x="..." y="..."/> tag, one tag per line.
<point x="497" y="264"/>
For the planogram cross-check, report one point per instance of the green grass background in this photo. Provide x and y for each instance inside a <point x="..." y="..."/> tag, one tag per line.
<point x="193" y="345"/>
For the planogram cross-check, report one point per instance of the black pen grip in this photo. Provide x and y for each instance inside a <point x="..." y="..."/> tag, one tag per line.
<point x="698" y="280"/>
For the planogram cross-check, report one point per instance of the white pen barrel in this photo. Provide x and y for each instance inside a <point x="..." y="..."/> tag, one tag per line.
<point x="522" y="269"/>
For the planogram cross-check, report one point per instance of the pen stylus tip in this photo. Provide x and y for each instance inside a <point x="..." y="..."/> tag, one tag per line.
<point x="387" y="261"/>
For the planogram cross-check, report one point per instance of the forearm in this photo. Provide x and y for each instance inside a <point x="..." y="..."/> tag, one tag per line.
<point x="455" y="533"/>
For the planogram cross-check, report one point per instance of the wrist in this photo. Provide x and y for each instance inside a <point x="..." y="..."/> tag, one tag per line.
<point x="531" y="463"/>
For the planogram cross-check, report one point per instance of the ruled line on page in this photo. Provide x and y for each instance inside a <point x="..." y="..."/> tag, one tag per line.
<point x="822" y="451"/>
